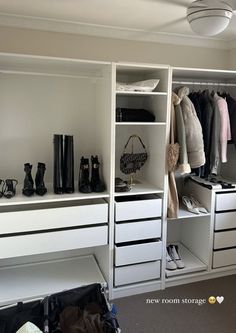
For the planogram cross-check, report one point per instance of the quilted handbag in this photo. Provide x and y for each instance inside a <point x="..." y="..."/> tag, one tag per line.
<point x="131" y="162"/>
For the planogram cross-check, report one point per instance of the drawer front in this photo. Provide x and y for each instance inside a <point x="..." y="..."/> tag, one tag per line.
<point x="225" y="201"/>
<point x="225" y="220"/>
<point x="131" y="254"/>
<point x="125" y="232"/>
<point x="137" y="273"/>
<point x="225" y="239"/>
<point x="51" y="218"/>
<point x="224" y="258"/>
<point x="16" y="246"/>
<point x="140" y="209"/>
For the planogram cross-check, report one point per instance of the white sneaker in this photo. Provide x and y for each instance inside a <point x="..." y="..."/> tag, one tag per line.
<point x="170" y="264"/>
<point x="174" y="254"/>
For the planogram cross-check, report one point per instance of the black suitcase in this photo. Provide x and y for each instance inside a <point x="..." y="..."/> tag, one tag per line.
<point x="54" y="312"/>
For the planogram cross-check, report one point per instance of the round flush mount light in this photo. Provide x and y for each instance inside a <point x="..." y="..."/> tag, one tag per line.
<point x="209" y="17"/>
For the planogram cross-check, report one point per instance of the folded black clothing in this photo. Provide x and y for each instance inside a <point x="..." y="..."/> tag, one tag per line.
<point x="134" y="115"/>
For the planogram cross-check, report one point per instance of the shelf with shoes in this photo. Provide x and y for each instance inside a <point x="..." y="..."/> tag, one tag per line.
<point x="185" y="214"/>
<point x="192" y="263"/>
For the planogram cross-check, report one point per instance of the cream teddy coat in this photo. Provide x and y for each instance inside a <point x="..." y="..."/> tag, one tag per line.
<point x="193" y="130"/>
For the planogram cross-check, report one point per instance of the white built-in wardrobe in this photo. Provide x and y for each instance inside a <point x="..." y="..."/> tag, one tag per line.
<point x="58" y="242"/>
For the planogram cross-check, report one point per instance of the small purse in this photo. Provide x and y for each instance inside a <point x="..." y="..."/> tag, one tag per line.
<point x="131" y="162"/>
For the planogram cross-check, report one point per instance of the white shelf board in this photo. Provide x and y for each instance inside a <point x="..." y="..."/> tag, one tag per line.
<point x="185" y="214"/>
<point x="141" y="93"/>
<point x="140" y="123"/>
<point x="37" y="280"/>
<point x="192" y="263"/>
<point x="49" y="197"/>
<point x="141" y="188"/>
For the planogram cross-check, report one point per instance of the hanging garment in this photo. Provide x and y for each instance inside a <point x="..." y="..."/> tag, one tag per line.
<point x="215" y="139"/>
<point x="225" y="132"/>
<point x="172" y="159"/>
<point x="183" y="165"/>
<point x="232" y="116"/>
<point x="29" y="328"/>
<point x="193" y="130"/>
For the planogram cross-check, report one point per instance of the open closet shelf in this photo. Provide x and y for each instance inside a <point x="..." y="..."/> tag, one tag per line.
<point x="38" y="280"/>
<point x="204" y="74"/>
<point x="140" y="93"/>
<point x="23" y="64"/>
<point x="49" y="197"/>
<point x="192" y="263"/>
<point x="185" y="214"/>
<point x="141" y="188"/>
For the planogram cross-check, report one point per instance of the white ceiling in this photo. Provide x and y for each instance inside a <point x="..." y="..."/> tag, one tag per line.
<point x="150" y="20"/>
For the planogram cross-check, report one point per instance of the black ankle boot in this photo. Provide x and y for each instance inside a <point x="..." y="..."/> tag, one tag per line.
<point x="28" y="189"/>
<point x="58" y="164"/>
<point x="84" y="183"/>
<point x="39" y="182"/>
<point x="68" y="170"/>
<point x="96" y="184"/>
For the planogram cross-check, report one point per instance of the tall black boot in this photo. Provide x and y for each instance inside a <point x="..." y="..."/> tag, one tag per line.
<point x="96" y="184"/>
<point x="84" y="183"/>
<point x="68" y="170"/>
<point x="28" y="189"/>
<point x="39" y="182"/>
<point x="58" y="164"/>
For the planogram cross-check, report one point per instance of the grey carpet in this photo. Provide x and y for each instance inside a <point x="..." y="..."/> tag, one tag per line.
<point x="136" y="316"/>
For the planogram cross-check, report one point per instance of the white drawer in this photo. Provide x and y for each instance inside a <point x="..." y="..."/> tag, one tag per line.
<point x="22" y="245"/>
<point x="225" y="220"/>
<point x="131" y="254"/>
<point x="86" y="213"/>
<point x="137" y="273"/>
<point x="131" y="231"/>
<point x="137" y="207"/>
<point x="224" y="239"/>
<point x="224" y="258"/>
<point x="225" y="201"/>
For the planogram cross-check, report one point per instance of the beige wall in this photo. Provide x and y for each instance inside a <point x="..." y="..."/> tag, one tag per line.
<point x="96" y="48"/>
<point x="232" y="59"/>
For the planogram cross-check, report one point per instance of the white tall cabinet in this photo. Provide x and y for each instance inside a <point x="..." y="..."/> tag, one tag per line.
<point x="57" y="242"/>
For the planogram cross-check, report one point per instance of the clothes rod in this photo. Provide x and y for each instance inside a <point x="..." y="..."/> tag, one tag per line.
<point x="223" y="84"/>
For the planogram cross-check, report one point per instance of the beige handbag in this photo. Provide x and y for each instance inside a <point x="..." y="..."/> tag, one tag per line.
<point x="172" y="148"/>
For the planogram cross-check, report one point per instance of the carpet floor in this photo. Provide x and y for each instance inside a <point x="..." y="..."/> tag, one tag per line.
<point x="178" y="310"/>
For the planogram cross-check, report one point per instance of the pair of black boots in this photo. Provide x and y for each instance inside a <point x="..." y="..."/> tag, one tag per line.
<point x="85" y="184"/>
<point x="40" y="188"/>
<point x="63" y="173"/>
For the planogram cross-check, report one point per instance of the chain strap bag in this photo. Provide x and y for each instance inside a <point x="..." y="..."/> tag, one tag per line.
<point x="131" y="162"/>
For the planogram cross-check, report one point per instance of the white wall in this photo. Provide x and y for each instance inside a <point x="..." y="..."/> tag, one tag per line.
<point x="86" y="47"/>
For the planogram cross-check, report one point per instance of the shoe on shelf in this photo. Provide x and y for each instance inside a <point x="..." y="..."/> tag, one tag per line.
<point x="28" y="188"/>
<point x="84" y="182"/>
<point x="2" y="186"/>
<point x="174" y="254"/>
<point x="39" y="179"/>
<point x="170" y="264"/>
<point x="190" y="205"/>
<point x="97" y="184"/>
<point x="198" y="205"/>
<point x="10" y="188"/>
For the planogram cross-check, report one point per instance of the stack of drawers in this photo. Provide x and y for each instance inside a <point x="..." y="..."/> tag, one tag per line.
<point x="225" y="230"/>
<point x="138" y="248"/>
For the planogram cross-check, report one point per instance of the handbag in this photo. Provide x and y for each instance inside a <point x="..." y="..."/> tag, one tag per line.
<point x="131" y="162"/>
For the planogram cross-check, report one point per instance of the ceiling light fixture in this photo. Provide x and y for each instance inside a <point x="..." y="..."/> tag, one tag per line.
<point x="209" y="17"/>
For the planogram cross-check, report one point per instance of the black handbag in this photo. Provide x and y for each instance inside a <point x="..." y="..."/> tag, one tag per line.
<point x="131" y="162"/>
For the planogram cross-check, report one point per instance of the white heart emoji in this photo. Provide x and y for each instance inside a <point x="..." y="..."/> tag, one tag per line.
<point x="220" y="299"/>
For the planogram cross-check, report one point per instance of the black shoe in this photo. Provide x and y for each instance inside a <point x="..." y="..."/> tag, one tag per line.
<point x="10" y="188"/>
<point x="58" y="164"/>
<point x="96" y="184"/>
<point x="84" y="183"/>
<point x="39" y="182"/>
<point x="28" y="189"/>
<point x="2" y="186"/>
<point x="68" y="169"/>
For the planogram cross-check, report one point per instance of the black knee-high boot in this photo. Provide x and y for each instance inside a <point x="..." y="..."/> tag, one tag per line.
<point x="68" y="170"/>
<point x="58" y="164"/>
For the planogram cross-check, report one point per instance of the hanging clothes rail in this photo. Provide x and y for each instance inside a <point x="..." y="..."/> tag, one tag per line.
<point x="223" y="84"/>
